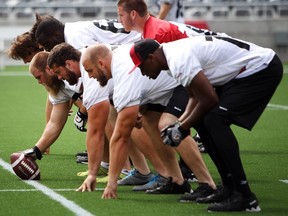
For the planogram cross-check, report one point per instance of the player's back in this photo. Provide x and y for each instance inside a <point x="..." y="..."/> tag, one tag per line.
<point x="84" y="33"/>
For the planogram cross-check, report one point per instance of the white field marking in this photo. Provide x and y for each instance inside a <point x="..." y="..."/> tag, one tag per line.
<point x="35" y="190"/>
<point x="71" y="206"/>
<point x="277" y="106"/>
<point x="284" y="181"/>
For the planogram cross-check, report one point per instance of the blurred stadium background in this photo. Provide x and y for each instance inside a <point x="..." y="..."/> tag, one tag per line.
<point x="264" y="22"/>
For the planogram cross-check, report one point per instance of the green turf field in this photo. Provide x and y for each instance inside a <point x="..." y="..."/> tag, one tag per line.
<point x="22" y="119"/>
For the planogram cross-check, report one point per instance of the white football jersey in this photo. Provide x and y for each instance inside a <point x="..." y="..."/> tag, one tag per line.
<point x="93" y="92"/>
<point x="192" y="31"/>
<point x="135" y="89"/>
<point x="221" y="59"/>
<point x="64" y="95"/>
<point x="83" y="33"/>
<point x="76" y="88"/>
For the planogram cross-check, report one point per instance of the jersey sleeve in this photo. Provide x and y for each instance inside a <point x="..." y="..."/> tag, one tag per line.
<point x="63" y="96"/>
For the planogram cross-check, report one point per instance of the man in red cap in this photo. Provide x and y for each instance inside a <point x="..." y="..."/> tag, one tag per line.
<point x="230" y="82"/>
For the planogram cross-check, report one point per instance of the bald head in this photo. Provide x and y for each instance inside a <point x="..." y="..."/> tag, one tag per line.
<point x="96" y="60"/>
<point x="95" y="52"/>
<point x="39" y="62"/>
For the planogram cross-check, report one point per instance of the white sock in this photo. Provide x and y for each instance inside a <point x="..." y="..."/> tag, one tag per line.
<point x="125" y="171"/>
<point x="105" y="165"/>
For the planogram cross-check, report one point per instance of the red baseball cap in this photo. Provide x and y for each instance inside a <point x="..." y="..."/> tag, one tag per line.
<point x="140" y="50"/>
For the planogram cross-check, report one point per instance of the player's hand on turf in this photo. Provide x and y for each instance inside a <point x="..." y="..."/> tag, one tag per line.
<point x="89" y="184"/>
<point x="174" y="134"/>
<point x="110" y="192"/>
<point x="80" y="121"/>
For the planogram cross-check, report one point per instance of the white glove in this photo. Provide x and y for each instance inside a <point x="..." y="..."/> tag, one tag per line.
<point x="80" y="121"/>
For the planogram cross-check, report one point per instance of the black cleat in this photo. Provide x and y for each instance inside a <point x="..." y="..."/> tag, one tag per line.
<point x="171" y="188"/>
<point x="220" y="194"/>
<point x="203" y="190"/>
<point x="236" y="202"/>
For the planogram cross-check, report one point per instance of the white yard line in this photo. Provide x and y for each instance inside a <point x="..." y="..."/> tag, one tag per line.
<point x="35" y="190"/>
<point x="277" y="106"/>
<point x="71" y="206"/>
<point x="284" y="181"/>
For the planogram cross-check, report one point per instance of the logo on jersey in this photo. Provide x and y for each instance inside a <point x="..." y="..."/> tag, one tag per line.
<point x="110" y="25"/>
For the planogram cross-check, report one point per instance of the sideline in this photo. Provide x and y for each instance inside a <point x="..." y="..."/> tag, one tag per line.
<point x="71" y="206"/>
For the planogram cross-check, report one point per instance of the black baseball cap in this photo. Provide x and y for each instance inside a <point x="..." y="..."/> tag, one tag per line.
<point x="140" y="50"/>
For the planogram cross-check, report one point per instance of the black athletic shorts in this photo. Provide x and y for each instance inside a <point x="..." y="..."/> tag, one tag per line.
<point x="243" y="100"/>
<point x="177" y="103"/>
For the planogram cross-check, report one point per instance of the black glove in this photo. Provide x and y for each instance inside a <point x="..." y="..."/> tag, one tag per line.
<point x="34" y="153"/>
<point x="174" y="134"/>
<point x="80" y="121"/>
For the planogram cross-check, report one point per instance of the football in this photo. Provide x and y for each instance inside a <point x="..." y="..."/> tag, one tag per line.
<point x="24" y="167"/>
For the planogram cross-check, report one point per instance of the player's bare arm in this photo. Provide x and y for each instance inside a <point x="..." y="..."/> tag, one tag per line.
<point x="54" y="126"/>
<point x="48" y="110"/>
<point x="119" y="148"/>
<point x="98" y="114"/>
<point x="200" y="89"/>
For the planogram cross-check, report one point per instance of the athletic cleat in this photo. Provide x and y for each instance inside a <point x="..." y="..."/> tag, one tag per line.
<point x="236" y="202"/>
<point x="102" y="171"/>
<point x="82" y="174"/>
<point x="203" y="190"/>
<point x="123" y="174"/>
<point x="82" y="159"/>
<point x="155" y="182"/>
<point x="199" y="143"/>
<point x="219" y="195"/>
<point x="105" y="178"/>
<point x="171" y="188"/>
<point x="191" y="177"/>
<point x="187" y="173"/>
<point x="136" y="178"/>
<point x="102" y="180"/>
<point x="84" y="153"/>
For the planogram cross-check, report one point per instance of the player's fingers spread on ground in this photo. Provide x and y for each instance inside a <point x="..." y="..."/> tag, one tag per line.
<point x="109" y="194"/>
<point x="82" y="188"/>
<point x="88" y="188"/>
<point x="79" y="189"/>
